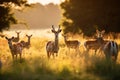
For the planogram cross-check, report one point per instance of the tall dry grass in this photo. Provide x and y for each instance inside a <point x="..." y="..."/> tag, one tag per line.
<point x="67" y="66"/>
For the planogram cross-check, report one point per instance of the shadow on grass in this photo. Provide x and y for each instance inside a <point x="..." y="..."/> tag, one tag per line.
<point x="39" y="69"/>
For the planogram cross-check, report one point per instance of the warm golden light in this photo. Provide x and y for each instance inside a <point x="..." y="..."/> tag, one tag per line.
<point x="46" y="1"/>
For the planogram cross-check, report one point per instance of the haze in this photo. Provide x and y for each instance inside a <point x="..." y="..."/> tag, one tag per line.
<point x="39" y="16"/>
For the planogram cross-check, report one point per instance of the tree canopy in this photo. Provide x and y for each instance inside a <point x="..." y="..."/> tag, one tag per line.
<point x="6" y="15"/>
<point x="88" y="15"/>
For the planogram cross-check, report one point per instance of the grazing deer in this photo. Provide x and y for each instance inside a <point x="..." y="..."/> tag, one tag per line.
<point x="97" y="43"/>
<point x="27" y="44"/>
<point x="74" y="44"/>
<point x="110" y="50"/>
<point x="15" y="48"/>
<point x="52" y="46"/>
<point x="16" y="39"/>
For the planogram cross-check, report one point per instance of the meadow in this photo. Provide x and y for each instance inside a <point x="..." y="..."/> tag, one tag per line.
<point x="67" y="66"/>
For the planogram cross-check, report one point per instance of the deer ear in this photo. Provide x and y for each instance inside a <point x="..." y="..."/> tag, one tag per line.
<point x="6" y="38"/>
<point x="53" y="31"/>
<point x="31" y="35"/>
<point x="12" y="37"/>
<point x="60" y="30"/>
<point x="53" y="27"/>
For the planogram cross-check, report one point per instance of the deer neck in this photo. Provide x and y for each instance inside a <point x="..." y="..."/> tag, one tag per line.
<point x="100" y="40"/>
<point x="18" y="36"/>
<point x="56" y="41"/>
<point x="10" y="45"/>
<point x="28" y="41"/>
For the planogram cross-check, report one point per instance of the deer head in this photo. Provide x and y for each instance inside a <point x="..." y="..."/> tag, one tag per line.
<point x="100" y="33"/>
<point x="56" y="32"/>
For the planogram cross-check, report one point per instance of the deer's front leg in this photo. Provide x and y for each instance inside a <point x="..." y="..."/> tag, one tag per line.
<point x="13" y="56"/>
<point x="48" y="55"/>
<point x="20" y="56"/>
<point x="16" y="56"/>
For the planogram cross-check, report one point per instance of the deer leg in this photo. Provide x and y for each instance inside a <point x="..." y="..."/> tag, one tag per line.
<point x="87" y="51"/>
<point x="20" y="56"/>
<point x="116" y="58"/>
<point x="56" y="54"/>
<point x="12" y="56"/>
<point x="95" y="51"/>
<point x="16" y="56"/>
<point x="53" y="55"/>
<point x="48" y="55"/>
<point x="78" y="51"/>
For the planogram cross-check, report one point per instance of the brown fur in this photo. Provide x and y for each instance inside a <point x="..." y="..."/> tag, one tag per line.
<point x="15" y="48"/>
<point x="52" y="47"/>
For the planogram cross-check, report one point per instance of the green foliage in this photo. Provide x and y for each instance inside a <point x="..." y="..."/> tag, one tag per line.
<point x="6" y="16"/>
<point x="84" y="14"/>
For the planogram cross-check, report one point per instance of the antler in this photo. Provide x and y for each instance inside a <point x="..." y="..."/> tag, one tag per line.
<point x="59" y="29"/>
<point x="53" y="27"/>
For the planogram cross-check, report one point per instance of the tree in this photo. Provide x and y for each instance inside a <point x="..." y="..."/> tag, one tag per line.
<point x="88" y="15"/>
<point x="6" y="15"/>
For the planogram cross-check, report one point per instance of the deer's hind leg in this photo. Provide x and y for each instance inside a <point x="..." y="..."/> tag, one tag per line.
<point x="48" y="54"/>
<point x="20" y="56"/>
<point x="13" y="56"/>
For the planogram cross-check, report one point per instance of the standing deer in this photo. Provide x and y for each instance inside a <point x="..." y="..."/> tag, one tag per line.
<point x="16" y="39"/>
<point x="97" y="43"/>
<point x="52" y="47"/>
<point x="15" y="48"/>
<point x="110" y="50"/>
<point x="74" y="44"/>
<point x="28" y="43"/>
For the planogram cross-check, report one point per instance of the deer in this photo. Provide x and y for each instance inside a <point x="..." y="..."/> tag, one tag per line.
<point x="15" y="48"/>
<point x="110" y="50"/>
<point x="52" y="47"/>
<point x="73" y="44"/>
<point x="97" y="43"/>
<point x="28" y="43"/>
<point x="16" y="39"/>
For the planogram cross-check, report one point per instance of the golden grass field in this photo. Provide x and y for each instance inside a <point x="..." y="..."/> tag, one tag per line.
<point x="67" y="66"/>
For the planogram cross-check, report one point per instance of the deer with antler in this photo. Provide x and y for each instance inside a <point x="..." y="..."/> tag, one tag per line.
<point x="74" y="44"/>
<point x="16" y="39"/>
<point x="15" y="48"/>
<point x="52" y="47"/>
